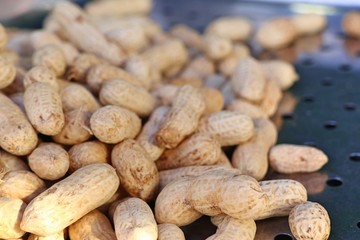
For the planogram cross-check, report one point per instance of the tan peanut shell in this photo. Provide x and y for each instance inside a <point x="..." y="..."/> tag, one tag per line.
<point x="118" y="8"/>
<point x="80" y="67"/>
<point x="11" y="212"/>
<point x="140" y="68"/>
<point x="75" y="25"/>
<point x="7" y="73"/>
<point x="9" y="162"/>
<point x="87" y="153"/>
<point x="76" y="129"/>
<point x="77" y="96"/>
<point x="182" y="118"/>
<point x="246" y="108"/>
<point x="281" y="72"/>
<point x="146" y="137"/>
<point x="100" y="73"/>
<point x="3" y="37"/>
<point x="251" y="157"/>
<point x="168" y="176"/>
<point x="93" y="225"/>
<point x="168" y="231"/>
<point x="248" y="80"/>
<point x="231" y="228"/>
<point x="284" y="194"/>
<point x="16" y="85"/>
<point x="124" y="94"/>
<point x="133" y="219"/>
<point x="288" y="158"/>
<point x="50" y="161"/>
<point x="112" y="124"/>
<point x="227" y="65"/>
<point x="166" y="55"/>
<point x="165" y="93"/>
<point x="132" y="39"/>
<point x="307" y="24"/>
<point x="224" y="161"/>
<point x="199" y="68"/>
<point x="217" y="47"/>
<point x="276" y="33"/>
<point x="55" y="236"/>
<point x="188" y="35"/>
<point x="198" y="149"/>
<point x="214" y="100"/>
<point x="232" y="28"/>
<point x="172" y="205"/>
<point x="137" y="172"/>
<point x="272" y="97"/>
<point x="11" y="57"/>
<point x="52" y="57"/>
<point x="229" y="128"/>
<point x="84" y="190"/>
<point x="350" y="22"/>
<point x="41" y="74"/>
<point x="44" y="108"/>
<point x="309" y="220"/>
<point x="21" y="184"/>
<point x="63" y="83"/>
<point x="17" y="136"/>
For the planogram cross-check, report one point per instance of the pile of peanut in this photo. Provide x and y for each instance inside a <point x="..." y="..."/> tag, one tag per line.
<point x="101" y="111"/>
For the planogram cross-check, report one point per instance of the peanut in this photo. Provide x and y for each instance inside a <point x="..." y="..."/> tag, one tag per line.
<point x="199" y="67"/>
<point x="76" y="129"/>
<point x="231" y="228"/>
<point x="229" y="128"/>
<point x="182" y="118"/>
<point x="77" y="96"/>
<point x="246" y="108"/>
<point x="146" y="137"/>
<point x="198" y="149"/>
<point x="188" y="35"/>
<point x="276" y="33"/>
<point x="84" y="190"/>
<point x="21" y="184"/>
<point x="288" y="158"/>
<point x="281" y="72"/>
<point x="217" y="47"/>
<point x="248" y="80"/>
<point x="41" y="74"/>
<point x="52" y="57"/>
<point x="9" y="162"/>
<point x="118" y="8"/>
<point x="227" y="65"/>
<point x="214" y="101"/>
<point x="141" y="69"/>
<point x="87" y="153"/>
<point x="307" y="24"/>
<point x="124" y="94"/>
<point x="168" y="231"/>
<point x="100" y="73"/>
<point x="16" y="85"/>
<point x="93" y="225"/>
<point x="350" y="22"/>
<point x="8" y="73"/>
<point x="3" y="37"/>
<point x="17" y="136"/>
<point x="232" y="28"/>
<point x="133" y="219"/>
<point x="11" y="212"/>
<point x="137" y="172"/>
<point x="309" y="220"/>
<point x="112" y="124"/>
<point x="81" y="65"/>
<point x="49" y="161"/>
<point x="271" y="98"/>
<point x="56" y="236"/>
<point x="44" y="108"/>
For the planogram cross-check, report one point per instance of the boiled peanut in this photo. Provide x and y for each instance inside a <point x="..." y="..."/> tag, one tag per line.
<point x="112" y="124"/>
<point x="199" y="68"/>
<point x="118" y="8"/>
<point x="49" y="161"/>
<point x="141" y="69"/>
<point x="233" y="28"/>
<point x="227" y="65"/>
<point x="231" y="228"/>
<point x="281" y="72"/>
<point x="41" y="74"/>
<point x="188" y="35"/>
<point x="246" y="108"/>
<point x="214" y="101"/>
<point x="288" y="158"/>
<point x="8" y="73"/>
<point x="271" y="98"/>
<point x="55" y="236"/>
<point x="52" y="57"/>
<point x="84" y="190"/>
<point x="307" y="24"/>
<point x="77" y="96"/>
<point x="11" y="212"/>
<point x="81" y="65"/>
<point x="217" y="47"/>
<point x="168" y="231"/>
<point x="9" y="162"/>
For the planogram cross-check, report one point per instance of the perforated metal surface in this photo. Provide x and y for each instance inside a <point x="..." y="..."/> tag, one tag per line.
<point x="326" y="115"/>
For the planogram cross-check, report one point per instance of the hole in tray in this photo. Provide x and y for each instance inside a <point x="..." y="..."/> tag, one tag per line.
<point x="308" y="98"/>
<point x="307" y="62"/>
<point x="355" y="156"/>
<point x="327" y="82"/>
<point x="358" y="224"/>
<point x="288" y="116"/>
<point x="310" y="143"/>
<point x="330" y="124"/>
<point x="334" y="182"/>
<point x="283" y="236"/>
<point x="350" y="106"/>
<point x="345" y="67"/>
